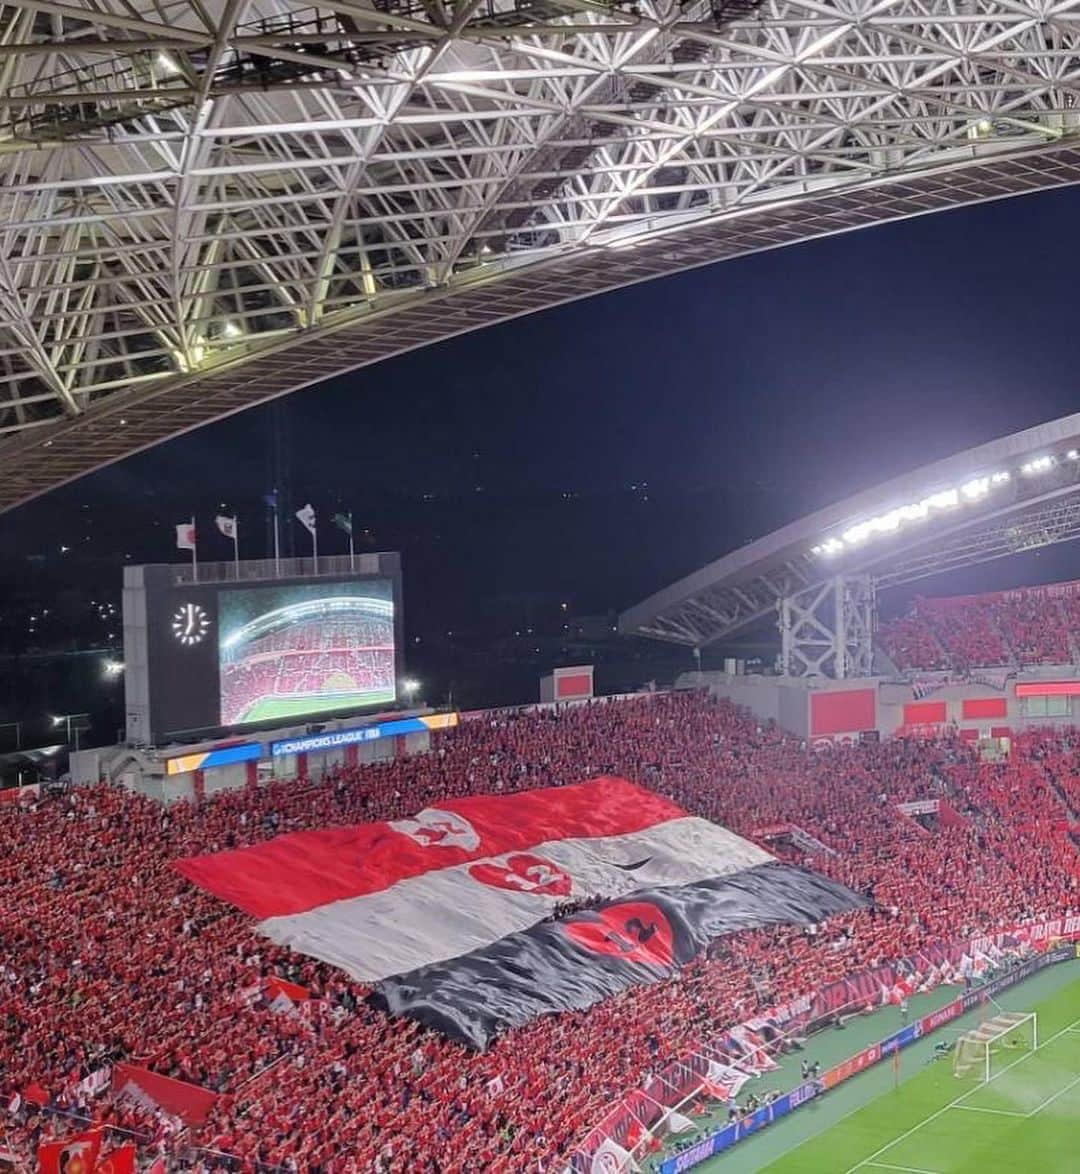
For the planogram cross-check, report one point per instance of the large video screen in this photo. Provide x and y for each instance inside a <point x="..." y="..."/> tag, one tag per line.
<point x="305" y="649"/>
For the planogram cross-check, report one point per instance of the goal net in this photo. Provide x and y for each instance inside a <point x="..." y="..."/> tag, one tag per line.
<point x="996" y="1044"/>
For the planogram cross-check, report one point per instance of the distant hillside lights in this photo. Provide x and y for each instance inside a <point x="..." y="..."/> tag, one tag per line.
<point x="946" y="499"/>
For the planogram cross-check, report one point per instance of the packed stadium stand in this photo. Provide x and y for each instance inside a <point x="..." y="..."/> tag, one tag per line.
<point x="108" y="956"/>
<point x="1030" y="626"/>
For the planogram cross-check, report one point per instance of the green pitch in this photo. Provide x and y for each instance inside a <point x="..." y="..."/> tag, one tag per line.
<point x="272" y="708"/>
<point x="1026" y="1119"/>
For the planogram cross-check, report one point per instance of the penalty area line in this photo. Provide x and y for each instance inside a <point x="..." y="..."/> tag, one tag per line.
<point x="996" y="1112"/>
<point x="905" y="1169"/>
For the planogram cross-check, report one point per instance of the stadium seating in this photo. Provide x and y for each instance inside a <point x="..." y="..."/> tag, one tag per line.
<point x="1014" y="628"/>
<point x="106" y="953"/>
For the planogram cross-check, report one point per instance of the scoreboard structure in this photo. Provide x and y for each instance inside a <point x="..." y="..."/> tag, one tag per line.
<point x="248" y="644"/>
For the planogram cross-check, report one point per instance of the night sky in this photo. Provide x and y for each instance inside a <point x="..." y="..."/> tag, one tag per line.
<point x="593" y="453"/>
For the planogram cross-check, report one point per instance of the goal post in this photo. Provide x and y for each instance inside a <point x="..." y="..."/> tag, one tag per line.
<point x="996" y="1044"/>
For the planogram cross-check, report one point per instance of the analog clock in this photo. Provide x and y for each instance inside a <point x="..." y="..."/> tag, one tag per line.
<point x="190" y="623"/>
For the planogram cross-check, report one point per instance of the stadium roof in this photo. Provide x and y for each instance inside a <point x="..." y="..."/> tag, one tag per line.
<point x="1014" y="494"/>
<point x="206" y="205"/>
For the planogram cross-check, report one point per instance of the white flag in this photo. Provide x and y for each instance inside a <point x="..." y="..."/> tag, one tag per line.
<point x="306" y="518"/>
<point x="611" y="1158"/>
<point x="677" y="1123"/>
<point x="227" y="526"/>
<point x="185" y="536"/>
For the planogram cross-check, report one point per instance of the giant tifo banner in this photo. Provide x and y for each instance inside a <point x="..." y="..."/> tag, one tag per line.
<point x="571" y="963"/>
<point x="468" y="884"/>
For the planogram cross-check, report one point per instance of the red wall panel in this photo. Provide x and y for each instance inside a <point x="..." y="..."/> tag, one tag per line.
<point x="1048" y="689"/>
<point x="924" y="713"/>
<point x="845" y="712"/>
<point x="577" y="685"/>
<point x="976" y="707"/>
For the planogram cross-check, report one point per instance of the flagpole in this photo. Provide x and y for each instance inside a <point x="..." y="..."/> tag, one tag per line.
<point x="194" y="555"/>
<point x="314" y="548"/>
<point x="236" y="544"/>
<point x="277" y="539"/>
<point x="352" y="564"/>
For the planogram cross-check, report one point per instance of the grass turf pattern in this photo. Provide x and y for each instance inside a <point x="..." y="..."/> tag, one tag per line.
<point x="1027" y="1118"/>
<point x="269" y="708"/>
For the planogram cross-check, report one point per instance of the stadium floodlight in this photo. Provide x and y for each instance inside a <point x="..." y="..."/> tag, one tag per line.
<point x="232" y="330"/>
<point x="945" y="499"/>
<point x="410" y="686"/>
<point x="1073" y="454"/>
<point x="167" y="65"/>
<point x="914" y="512"/>
<point x="112" y="668"/>
<point x="1037" y="465"/>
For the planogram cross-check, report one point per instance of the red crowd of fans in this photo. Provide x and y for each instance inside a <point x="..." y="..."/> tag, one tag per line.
<point x="1018" y="628"/>
<point x="107" y="954"/>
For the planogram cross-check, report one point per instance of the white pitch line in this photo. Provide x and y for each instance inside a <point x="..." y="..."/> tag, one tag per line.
<point x="1050" y="1100"/>
<point x="869" y="1161"/>
<point x="996" y="1112"/>
<point x="907" y="1169"/>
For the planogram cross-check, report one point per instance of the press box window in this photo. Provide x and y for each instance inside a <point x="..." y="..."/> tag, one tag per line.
<point x="1046" y="707"/>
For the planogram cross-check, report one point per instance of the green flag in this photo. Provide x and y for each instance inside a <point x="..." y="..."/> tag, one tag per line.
<point x="344" y="522"/>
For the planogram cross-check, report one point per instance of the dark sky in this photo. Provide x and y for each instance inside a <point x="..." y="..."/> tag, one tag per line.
<point x="682" y="417"/>
<point x="811" y="370"/>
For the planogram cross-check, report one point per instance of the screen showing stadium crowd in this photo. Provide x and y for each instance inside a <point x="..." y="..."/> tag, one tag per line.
<point x="108" y="954"/>
<point x="1039" y="625"/>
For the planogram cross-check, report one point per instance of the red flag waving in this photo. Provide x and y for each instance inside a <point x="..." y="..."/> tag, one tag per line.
<point x="73" y="1155"/>
<point x="118" y="1161"/>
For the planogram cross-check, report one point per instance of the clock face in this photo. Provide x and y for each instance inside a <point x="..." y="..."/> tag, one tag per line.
<point x="190" y="623"/>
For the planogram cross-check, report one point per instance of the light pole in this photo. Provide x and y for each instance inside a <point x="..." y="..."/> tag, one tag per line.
<point x="68" y="718"/>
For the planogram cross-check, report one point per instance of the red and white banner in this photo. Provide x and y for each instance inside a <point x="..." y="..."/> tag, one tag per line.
<point x="386" y="898"/>
<point x="118" y="1161"/>
<point x="1038" y="935"/>
<point x="25" y="794"/>
<point x="157" y="1093"/>
<point x="73" y="1155"/>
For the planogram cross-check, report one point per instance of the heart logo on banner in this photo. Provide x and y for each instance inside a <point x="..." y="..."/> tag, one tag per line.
<point x="432" y="828"/>
<point x="524" y="873"/>
<point x="634" y="932"/>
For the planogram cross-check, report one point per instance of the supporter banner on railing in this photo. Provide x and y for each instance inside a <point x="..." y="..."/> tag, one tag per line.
<point x="387" y="898"/>
<point x="725" y="1138"/>
<point x="572" y="963"/>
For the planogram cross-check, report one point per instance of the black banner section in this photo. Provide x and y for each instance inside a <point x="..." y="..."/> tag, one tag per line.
<point x="569" y="964"/>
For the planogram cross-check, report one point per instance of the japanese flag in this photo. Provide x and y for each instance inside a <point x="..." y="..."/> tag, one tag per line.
<point x="185" y="536"/>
